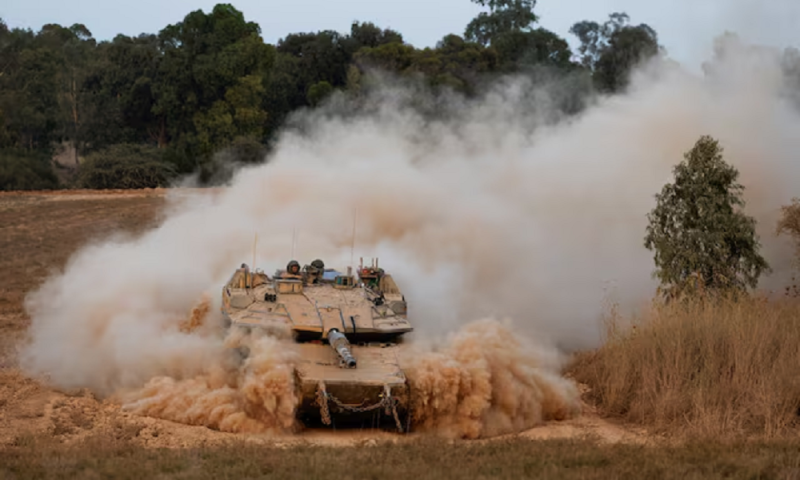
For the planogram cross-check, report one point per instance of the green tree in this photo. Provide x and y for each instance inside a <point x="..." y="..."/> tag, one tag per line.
<point x="508" y="29"/>
<point x="612" y="50"/>
<point x="212" y="67"/>
<point x="391" y="57"/>
<point x="537" y="47"/>
<point x="504" y="16"/>
<point x="75" y="54"/>
<point x="29" y="89"/>
<point x="368" y="34"/>
<point x="699" y="233"/>
<point x="121" y="93"/>
<point x="455" y="63"/>
<point x="307" y="63"/>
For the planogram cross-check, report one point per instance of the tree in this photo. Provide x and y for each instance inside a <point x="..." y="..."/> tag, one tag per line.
<point x="612" y="50"/>
<point x="699" y="233"/>
<point x="368" y="34"/>
<point x="121" y="91"/>
<point x="536" y="47"/>
<point x="209" y="84"/>
<point x="508" y="29"/>
<point x="504" y="16"/>
<point x="29" y="88"/>
<point x="391" y="57"/>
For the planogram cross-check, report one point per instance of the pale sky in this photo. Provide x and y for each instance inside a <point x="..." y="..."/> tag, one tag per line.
<point x="686" y="27"/>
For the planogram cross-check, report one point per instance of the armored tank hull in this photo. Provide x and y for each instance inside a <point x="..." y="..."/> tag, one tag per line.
<point x="376" y="388"/>
<point x="347" y="329"/>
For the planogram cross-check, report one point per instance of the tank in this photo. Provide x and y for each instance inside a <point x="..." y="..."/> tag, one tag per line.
<point x="347" y="327"/>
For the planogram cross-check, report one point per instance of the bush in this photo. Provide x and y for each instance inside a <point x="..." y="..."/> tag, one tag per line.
<point x="125" y="166"/>
<point x="26" y="171"/>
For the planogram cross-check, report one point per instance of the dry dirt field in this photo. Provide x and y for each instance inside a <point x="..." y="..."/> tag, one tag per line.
<point x="46" y="433"/>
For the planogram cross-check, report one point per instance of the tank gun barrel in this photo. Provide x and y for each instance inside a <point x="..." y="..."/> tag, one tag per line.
<point x="339" y="343"/>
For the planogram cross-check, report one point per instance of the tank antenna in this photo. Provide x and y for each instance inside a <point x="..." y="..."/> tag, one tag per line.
<point x="294" y="238"/>
<point x="255" y="242"/>
<point x="353" y="242"/>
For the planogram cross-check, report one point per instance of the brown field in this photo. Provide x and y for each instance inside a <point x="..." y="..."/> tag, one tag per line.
<point x="683" y="375"/>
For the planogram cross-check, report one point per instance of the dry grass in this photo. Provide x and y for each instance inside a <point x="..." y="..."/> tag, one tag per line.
<point x="110" y="457"/>
<point x="719" y="369"/>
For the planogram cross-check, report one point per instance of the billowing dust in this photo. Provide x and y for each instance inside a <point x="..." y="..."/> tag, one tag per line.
<point x="252" y="395"/>
<point x="486" y="381"/>
<point x="492" y="208"/>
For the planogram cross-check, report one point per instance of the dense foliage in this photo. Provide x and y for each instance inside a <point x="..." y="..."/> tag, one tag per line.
<point x="700" y="235"/>
<point x="21" y="170"/>
<point x="612" y="49"/>
<point x="194" y="88"/>
<point x="125" y="166"/>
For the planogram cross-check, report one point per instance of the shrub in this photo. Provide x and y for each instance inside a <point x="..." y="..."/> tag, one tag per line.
<point x="26" y="171"/>
<point x="125" y="166"/>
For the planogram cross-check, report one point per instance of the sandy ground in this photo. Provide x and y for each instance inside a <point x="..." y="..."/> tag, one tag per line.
<point x="43" y="229"/>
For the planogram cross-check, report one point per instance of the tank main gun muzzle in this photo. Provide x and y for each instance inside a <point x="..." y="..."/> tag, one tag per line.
<point x="339" y="343"/>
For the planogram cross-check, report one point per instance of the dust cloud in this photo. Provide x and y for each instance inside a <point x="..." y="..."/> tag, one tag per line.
<point x="239" y="395"/>
<point x="486" y="381"/>
<point x="495" y="207"/>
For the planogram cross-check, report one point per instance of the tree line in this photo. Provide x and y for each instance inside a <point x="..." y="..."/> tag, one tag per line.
<point x="136" y="111"/>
